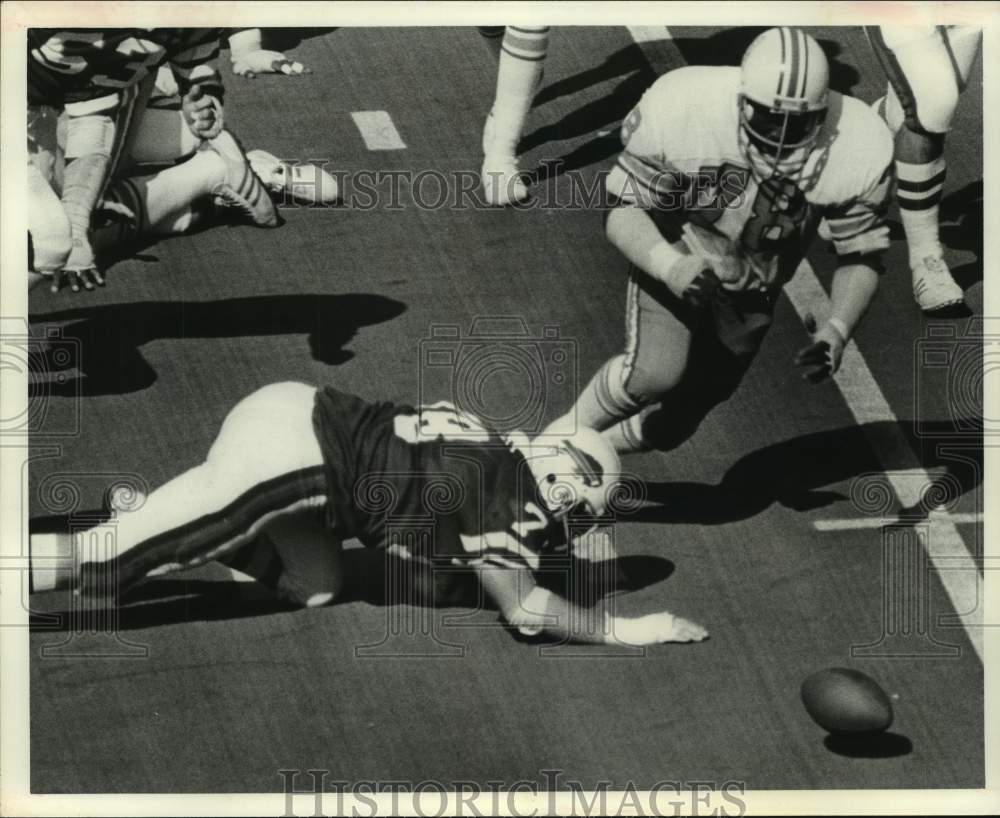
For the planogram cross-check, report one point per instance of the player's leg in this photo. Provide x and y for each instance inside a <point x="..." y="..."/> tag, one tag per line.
<point x="722" y="351"/>
<point x="927" y="70"/>
<point x="296" y="558"/>
<point x="658" y="339"/>
<point x="522" y="59"/>
<point x="265" y="463"/>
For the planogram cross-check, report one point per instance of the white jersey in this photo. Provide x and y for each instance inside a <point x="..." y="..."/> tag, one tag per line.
<point x="682" y="160"/>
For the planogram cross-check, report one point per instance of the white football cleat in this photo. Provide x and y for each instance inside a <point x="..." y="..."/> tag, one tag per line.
<point x="303" y="182"/>
<point x="503" y="183"/>
<point x="933" y="286"/>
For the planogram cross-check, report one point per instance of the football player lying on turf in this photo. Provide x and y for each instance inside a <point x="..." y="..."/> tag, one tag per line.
<point x="297" y="470"/>
<point x="726" y="177"/>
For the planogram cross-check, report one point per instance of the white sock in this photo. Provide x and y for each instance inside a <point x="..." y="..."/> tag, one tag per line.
<point x="51" y="563"/>
<point x="521" y="61"/>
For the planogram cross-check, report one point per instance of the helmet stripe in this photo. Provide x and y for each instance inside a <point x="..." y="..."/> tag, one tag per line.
<point x="781" y="74"/>
<point x="805" y="63"/>
<point x="793" y="77"/>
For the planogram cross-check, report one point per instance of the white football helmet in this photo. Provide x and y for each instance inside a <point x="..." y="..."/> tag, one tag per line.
<point x="784" y="91"/>
<point x="575" y="473"/>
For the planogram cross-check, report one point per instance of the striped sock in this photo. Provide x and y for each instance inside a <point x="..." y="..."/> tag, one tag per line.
<point x="522" y="59"/>
<point x="604" y="401"/>
<point x="919" y="193"/>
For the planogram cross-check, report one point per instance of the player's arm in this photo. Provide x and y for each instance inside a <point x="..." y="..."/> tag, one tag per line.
<point x="646" y="217"/>
<point x="860" y="235"/>
<point x="195" y="64"/>
<point x="90" y="138"/>
<point x="532" y="609"/>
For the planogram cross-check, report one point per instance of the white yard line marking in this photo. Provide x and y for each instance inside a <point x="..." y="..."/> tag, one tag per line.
<point x="649" y="34"/>
<point x="378" y="131"/>
<point x="934" y="520"/>
<point x="946" y="549"/>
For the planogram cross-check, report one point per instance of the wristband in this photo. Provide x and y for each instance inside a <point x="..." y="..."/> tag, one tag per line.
<point x="662" y="257"/>
<point x="841" y="328"/>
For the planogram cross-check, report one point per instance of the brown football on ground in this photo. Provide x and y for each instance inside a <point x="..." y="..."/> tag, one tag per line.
<point x="842" y="700"/>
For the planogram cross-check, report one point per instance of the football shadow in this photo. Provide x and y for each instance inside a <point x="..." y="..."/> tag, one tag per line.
<point x="106" y="340"/>
<point x="868" y="745"/>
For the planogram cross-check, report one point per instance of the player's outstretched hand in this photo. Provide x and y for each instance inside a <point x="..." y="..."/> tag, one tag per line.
<point x="693" y="280"/>
<point x="659" y="627"/>
<point x="80" y="270"/>
<point x="76" y="280"/>
<point x="822" y="357"/>
<point x="263" y="61"/>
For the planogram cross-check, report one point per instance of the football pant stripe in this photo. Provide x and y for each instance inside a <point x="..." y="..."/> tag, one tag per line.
<point x="896" y="76"/>
<point x="212" y="534"/>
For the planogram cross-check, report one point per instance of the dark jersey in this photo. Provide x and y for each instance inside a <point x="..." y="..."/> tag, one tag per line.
<point x="67" y="66"/>
<point x="431" y="479"/>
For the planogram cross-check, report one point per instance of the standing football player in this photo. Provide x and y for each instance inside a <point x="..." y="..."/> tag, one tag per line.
<point x="726" y="177"/>
<point x="297" y="470"/>
<point x="927" y="68"/>
<point x="522" y="60"/>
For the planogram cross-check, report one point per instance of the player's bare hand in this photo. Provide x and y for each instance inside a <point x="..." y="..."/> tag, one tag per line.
<point x="263" y="61"/>
<point x="80" y="270"/>
<point x="202" y="112"/>
<point x="693" y="280"/>
<point x="822" y="357"/>
<point x="655" y="628"/>
<point x="684" y="630"/>
<point x="76" y="280"/>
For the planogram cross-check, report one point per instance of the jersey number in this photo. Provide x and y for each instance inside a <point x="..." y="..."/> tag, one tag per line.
<point x="439" y="422"/>
<point x="779" y="212"/>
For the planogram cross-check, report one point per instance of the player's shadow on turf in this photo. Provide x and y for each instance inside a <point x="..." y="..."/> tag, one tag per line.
<point x="727" y="46"/>
<point x="795" y="472"/>
<point x="374" y="577"/>
<point x="106" y="341"/>
<point x="609" y="110"/>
